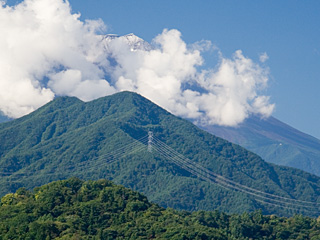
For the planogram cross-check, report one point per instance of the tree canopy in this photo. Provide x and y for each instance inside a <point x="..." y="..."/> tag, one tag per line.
<point x="76" y="209"/>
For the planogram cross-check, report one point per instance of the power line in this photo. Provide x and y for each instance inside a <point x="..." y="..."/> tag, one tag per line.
<point x="194" y="168"/>
<point x="105" y="158"/>
<point x="210" y="176"/>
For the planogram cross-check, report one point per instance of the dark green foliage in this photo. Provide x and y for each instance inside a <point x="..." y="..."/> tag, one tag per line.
<point x="68" y="137"/>
<point x="74" y="209"/>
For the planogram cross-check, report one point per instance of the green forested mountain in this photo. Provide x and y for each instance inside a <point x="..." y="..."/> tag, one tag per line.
<point x="106" y="138"/>
<point x="74" y="209"/>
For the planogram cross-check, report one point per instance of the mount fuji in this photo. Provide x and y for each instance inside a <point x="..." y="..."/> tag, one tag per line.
<point x="275" y="142"/>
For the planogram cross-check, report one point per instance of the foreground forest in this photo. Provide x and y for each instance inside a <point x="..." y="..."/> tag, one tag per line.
<point x="76" y="209"/>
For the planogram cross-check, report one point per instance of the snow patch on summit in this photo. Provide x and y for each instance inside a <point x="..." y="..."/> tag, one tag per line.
<point x="134" y="42"/>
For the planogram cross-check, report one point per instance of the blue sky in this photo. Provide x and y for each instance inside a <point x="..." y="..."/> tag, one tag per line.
<point x="288" y="31"/>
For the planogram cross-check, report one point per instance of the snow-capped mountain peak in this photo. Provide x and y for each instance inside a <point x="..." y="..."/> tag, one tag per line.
<point x="134" y="42"/>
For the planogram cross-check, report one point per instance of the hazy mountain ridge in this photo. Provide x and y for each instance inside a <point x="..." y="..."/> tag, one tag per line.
<point x="275" y="142"/>
<point x="68" y="137"/>
<point x="4" y="118"/>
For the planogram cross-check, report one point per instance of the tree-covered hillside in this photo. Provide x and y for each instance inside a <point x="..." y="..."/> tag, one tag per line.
<point x="107" y="138"/>
<point x="74" y="209"/>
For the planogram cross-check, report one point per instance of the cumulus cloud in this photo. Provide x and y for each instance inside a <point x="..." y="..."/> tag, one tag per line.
<point x="46" y="51"/>
<point x="168" y="75"/>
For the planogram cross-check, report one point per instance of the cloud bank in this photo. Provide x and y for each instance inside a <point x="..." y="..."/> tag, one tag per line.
<point x="47" y="51"/>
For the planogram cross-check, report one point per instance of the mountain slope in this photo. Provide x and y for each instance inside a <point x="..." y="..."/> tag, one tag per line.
<point x="268" y="138"/>
<point x="104" y="139"/>
<point x="275" y="142"/>
<point x="4" y="118"/>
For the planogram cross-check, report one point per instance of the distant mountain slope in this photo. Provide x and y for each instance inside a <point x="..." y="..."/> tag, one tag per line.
<point x="274" y="141"/>
<point x="103" y="139"/>
<point x="4" y="118"/>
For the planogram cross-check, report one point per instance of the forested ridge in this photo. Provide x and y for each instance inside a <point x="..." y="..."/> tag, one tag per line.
<point x="92" y="140"/>
<point x="76" y="209"/>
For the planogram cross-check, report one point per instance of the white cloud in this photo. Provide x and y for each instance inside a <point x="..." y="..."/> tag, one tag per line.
<point x="39" y="39"/>
<point x="168" y="76"/>
<point x="233" y="91"/>
<point x="263" y="57"/>
<point x="47" y="51"/>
